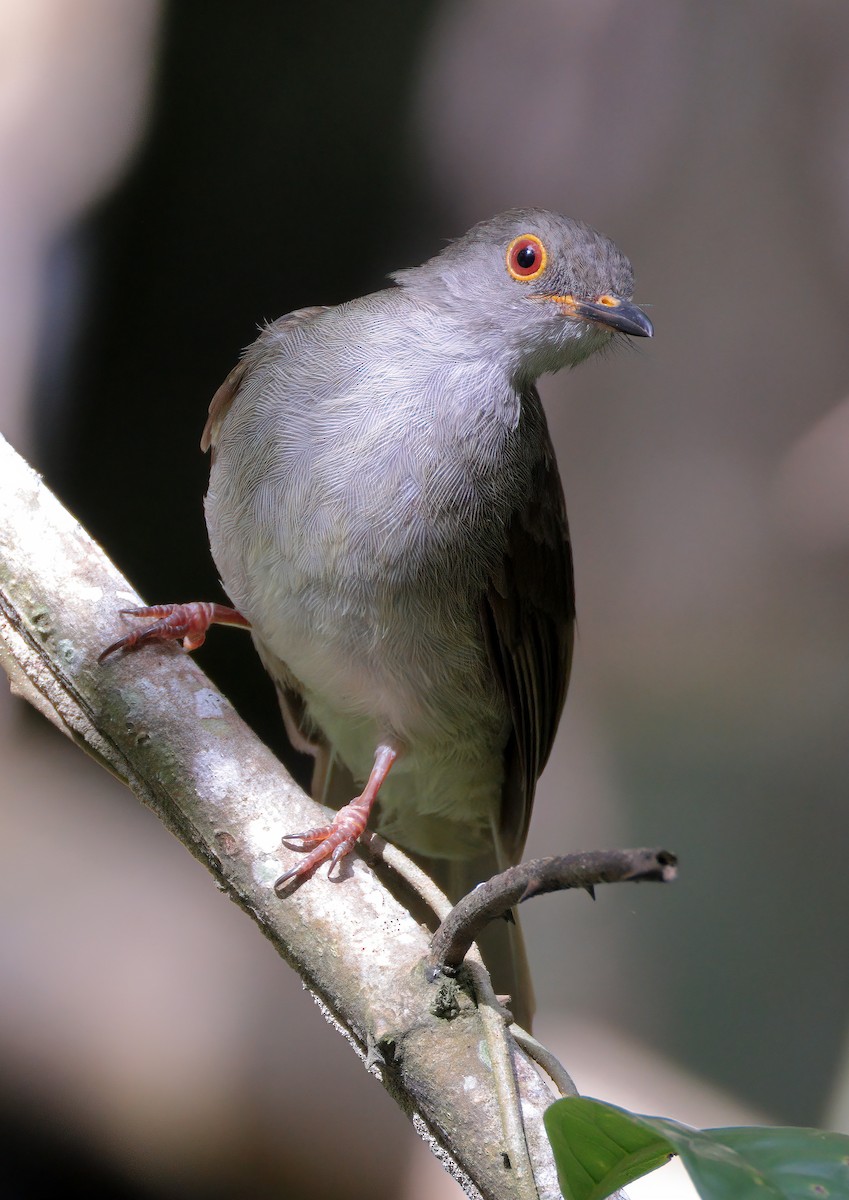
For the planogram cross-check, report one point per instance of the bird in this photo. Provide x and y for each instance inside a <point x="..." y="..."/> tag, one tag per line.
<point x="387" y="518"/>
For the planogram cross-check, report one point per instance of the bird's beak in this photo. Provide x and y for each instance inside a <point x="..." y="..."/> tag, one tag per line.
<point x="622" y="315"/>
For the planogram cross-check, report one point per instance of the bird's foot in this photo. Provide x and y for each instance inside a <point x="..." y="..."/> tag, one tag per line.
<point x="332" y="841"/>
<point x="173" y="622"/>
<point x="336" y="840"/>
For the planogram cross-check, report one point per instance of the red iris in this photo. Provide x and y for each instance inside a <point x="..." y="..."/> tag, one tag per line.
<point x="526" y="257"/>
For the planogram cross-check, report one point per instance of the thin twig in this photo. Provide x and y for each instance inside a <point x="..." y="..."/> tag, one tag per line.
<point x="493" y="899"/>
<point x="543" y="1057"/>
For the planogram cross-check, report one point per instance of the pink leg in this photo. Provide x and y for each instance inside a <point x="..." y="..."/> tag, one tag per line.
<point x="336" y="840"/>
<point x="187" y="621"/>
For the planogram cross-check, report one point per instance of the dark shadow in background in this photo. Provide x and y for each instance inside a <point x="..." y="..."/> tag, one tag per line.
<point x="277" y="172"/>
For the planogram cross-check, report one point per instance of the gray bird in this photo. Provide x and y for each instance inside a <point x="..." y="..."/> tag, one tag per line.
<point x="386" y="514"/>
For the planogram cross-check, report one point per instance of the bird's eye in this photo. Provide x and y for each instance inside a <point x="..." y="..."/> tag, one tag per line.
<point x="526" y="258"/>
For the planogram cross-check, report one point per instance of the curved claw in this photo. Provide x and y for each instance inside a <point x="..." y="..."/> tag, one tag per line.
<point x="312" y="837"/>
<point x="332" y="847"/>
<point x="332" y="841"/>
<point x="171" y="626"/>
<point x="174" y="622"/>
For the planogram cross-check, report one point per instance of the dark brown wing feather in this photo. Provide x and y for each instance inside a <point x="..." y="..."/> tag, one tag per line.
<point x="528" y="617"/>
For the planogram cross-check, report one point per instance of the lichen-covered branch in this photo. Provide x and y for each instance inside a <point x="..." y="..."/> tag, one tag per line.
<point x="156" y="722"/>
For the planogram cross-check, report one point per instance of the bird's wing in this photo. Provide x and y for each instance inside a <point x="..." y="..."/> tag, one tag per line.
<point x="528" y="616"/>
<point x="220" y="404"/>
<point x="303" y="737"/>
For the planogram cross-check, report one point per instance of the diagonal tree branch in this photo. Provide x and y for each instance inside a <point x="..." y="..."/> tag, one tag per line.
<point x="157" y="723"/>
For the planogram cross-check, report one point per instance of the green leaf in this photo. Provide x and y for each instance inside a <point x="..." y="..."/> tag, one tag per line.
<point x="599" y="1148"/>
<point x="763" y="1163"/>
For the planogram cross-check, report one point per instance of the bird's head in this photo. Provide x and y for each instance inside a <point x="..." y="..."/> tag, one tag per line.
<point x="536" y="290"/>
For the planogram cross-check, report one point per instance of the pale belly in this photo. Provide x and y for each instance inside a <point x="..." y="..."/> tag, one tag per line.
<point x="376" y="664"/>
<point x="361" y="568"/>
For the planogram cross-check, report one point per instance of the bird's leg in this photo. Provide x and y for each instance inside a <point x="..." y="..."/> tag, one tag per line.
<point x="175" y="621"/>
<point x="336" y="840"/>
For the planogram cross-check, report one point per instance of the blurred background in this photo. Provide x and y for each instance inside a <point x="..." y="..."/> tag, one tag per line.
<point x="172" y="175"/>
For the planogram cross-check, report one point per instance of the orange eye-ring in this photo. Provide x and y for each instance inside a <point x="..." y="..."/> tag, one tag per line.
<point x="526" y="258"/>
